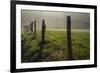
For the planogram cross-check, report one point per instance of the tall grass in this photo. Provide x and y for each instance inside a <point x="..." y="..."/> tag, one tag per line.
<point x="55" y="47"/>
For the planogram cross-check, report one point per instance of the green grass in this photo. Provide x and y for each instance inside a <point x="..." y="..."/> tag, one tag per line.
<point x="55" y="46"/>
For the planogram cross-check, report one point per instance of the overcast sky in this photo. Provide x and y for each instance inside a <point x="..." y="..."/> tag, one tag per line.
<point x="55" y="20"/>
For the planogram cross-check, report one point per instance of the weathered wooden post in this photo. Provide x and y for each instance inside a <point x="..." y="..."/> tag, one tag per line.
<point x="42" y="40"/>
<point x="31" y="26"/>
<point x="34" y="28"/>
<point x="25" y="28"/>
<point x="69" y="41"/>
<point x="43" y="31"/>
<point x="28" y="27"/>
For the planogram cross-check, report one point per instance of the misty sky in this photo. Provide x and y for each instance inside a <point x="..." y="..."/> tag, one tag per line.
<point x="55" y="20"/>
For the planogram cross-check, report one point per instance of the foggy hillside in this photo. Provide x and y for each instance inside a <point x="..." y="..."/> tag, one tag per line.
<point x="55" y="20"/>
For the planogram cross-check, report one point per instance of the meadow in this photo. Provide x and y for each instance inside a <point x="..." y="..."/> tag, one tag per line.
<point x="55" y="46"/>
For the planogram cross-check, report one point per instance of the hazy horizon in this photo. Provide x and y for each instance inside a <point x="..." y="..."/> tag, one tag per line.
<point x="55" y="20"/>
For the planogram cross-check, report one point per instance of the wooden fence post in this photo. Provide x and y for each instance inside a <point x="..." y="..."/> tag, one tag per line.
<point x="69" y="41"/>
<point x="42" y="40"/>
<point x="43" y="31"/>
<point x="31" y="26"/>
<point x="34" y="28"/>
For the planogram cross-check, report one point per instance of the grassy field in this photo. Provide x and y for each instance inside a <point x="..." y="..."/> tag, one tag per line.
<point x="55" y="46"/>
